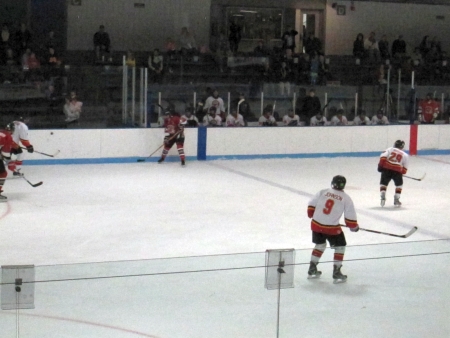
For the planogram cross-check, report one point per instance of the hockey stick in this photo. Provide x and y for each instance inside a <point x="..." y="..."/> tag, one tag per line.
<point x="35" y="151"/>
<point x="416" y="179"/>
<point x="162" y="145"/>
<point x="33" y="185"/>
<point x="239" y="103"/>
<point x="409" y="233"/>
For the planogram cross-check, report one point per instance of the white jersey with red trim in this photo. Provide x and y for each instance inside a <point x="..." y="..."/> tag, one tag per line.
<point x="394" y="159"/>
<point x="326" y="209"/>
<point x="20" y="134"/>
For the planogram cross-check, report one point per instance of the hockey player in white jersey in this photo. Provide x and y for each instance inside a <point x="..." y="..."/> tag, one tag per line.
<point x="325" y="210"/>
<point x="393" y="165"/>
<point x="19" y="131"/>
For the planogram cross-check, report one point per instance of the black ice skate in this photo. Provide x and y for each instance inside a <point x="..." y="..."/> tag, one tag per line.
<point x="313" y="272"/>
<point x="338" y="277"/>
<point x="161" y="160"/>
<point x="3" y="198"/>
<point x="183" y="163"/>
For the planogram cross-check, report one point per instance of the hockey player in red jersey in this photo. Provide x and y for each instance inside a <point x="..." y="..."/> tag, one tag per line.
<point x="6" y="143"/>
<point x="174" y="134"/>
<point x="325" y="210"/>
<point x="393" y="165"/>
<point x="428" y="110"/>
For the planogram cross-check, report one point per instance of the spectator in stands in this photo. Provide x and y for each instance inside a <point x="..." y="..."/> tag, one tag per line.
<point x="318" y="119"/>
<point x="5" y="38"/>
<point x="359" y="51"/>
<point x="303" y="69"/>
<point x="339" y="119"/>
<point x="361" y="119"/>
<point x="188" y="45"/>
<point x="383" y="46"/>
<point x="399" y="47"/>
<point x="261" y="49"/>
<point x="170" y="48"/>
<point x="156" y="65"/>
<point x="416" y="57"/>
<point x="234" y="36"/>
<point x="102" y="43"/>
<point x="23" y="38"/>
<point x="32" y="67"/>
<point x="324" y="71"/>
<point x="381" y="75"/>
<point x="425" y="46"/>
<point x="311" y="104"/>
<point x="52" y="58"/>
<point x="428" y="110"/>
<point x="212" y="119"/>
<point x="10" y="59"/>
<point x="24" y="59"/>
<point x="436" y="43"/>
<point x="288" y="39"/>
<point x="234" y="119"/>
<point x="313" y="45"/>
<point x="72" y="108"/>
<point x="215" y="101"/>
<point x="51" y="41"/>
<point x="291" y="119"/>
<point x="191" y="119"/>
<point x="130" y="60"/>
<point x="371" y="47"/>
<point x="267" y="119"/>
<point x="315" y="68"/>
<point x="285" y="76"/>
<point x="380" y="118"/>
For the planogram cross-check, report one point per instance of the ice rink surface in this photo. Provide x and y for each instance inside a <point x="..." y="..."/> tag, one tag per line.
<point x="181" y="251"/>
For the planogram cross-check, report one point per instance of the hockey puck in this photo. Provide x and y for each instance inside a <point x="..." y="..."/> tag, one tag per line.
<point x="51" y="133"/>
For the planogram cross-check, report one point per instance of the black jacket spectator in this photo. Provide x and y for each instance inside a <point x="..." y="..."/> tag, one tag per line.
<point x="358" y="47"/>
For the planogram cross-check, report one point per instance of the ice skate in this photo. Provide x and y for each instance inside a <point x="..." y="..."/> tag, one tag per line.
<point x="397" y="202"/>
<point x="183" y="163"/>
<point x="313" y="272"/>
<point x="383" y="198"/>
<point x="3" y="198"/>
<point x="161" y="160"/>
<point x="338" y="277"/>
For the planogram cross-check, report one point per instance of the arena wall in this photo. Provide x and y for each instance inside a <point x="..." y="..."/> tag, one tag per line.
<point x="127" y="145"/>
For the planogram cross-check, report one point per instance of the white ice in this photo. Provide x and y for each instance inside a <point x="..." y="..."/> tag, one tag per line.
<point x="142" y="227"/>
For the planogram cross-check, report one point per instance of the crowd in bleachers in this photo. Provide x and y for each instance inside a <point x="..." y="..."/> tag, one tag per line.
<point x="25" y="58"/>
<point x="427" y="60"/>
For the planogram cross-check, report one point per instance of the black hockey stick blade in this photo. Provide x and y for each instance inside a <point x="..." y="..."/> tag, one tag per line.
<point x="33" y="185"/>
<point x="416" y="179"/>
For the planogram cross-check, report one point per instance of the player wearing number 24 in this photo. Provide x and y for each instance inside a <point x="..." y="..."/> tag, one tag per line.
<point x="325" y="209"/>
<point x="393" y="165"/>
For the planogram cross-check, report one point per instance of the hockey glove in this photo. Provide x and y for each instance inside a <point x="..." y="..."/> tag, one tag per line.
<point x="355" y="229"/>
<point x="30" y="148"/>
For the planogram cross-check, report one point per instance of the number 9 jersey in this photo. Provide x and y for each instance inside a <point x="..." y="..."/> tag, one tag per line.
<point x="326" y="209"/>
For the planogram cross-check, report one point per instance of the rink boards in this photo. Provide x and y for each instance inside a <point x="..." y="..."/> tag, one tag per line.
<point x="127" y="145"/>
